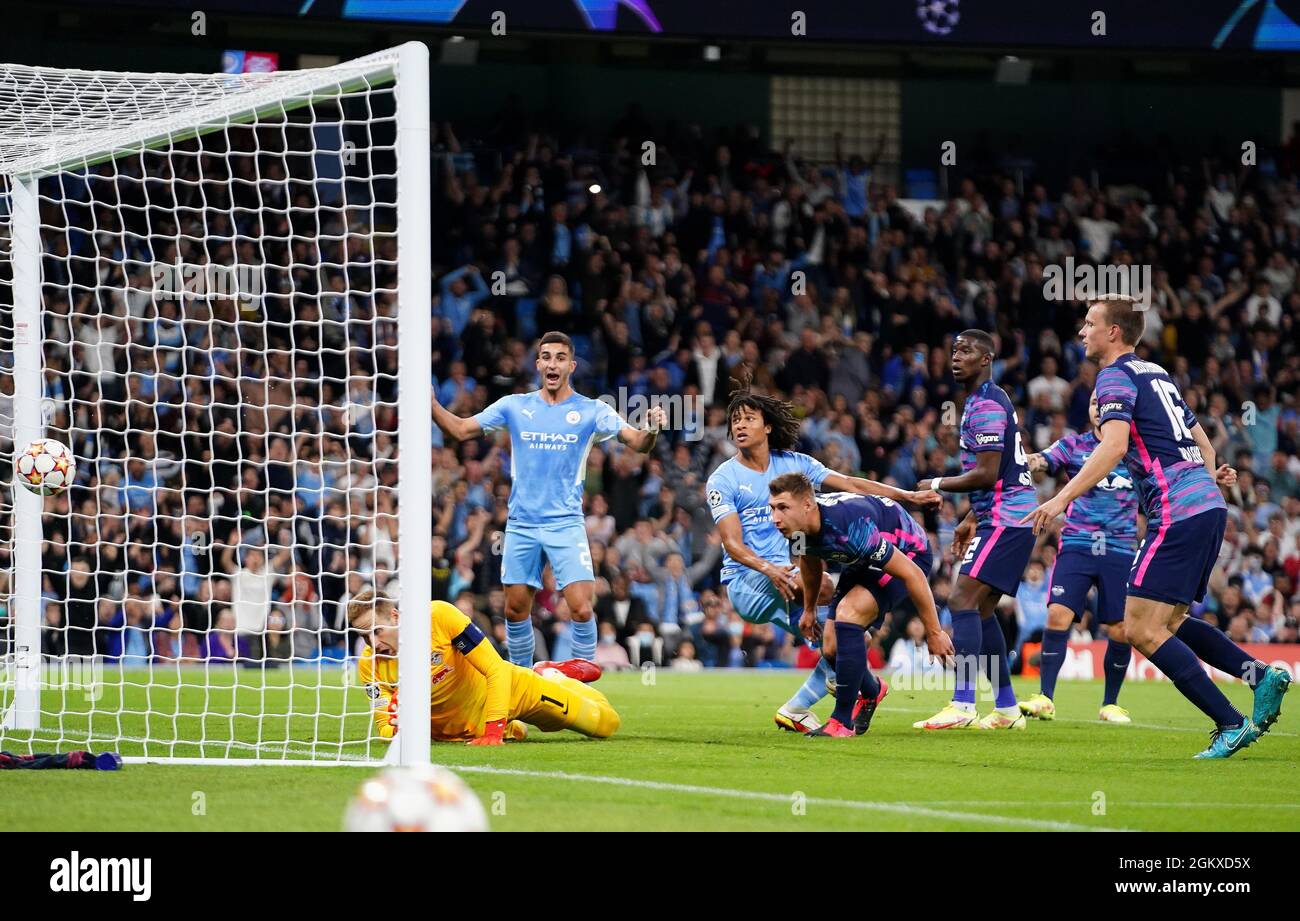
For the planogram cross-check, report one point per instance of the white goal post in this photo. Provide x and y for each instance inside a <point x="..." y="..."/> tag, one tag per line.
<point x="215" y="289"/>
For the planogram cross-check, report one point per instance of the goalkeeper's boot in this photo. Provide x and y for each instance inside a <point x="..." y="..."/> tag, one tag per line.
<point x="792" y="719"/>
<point x="516" y="731"/>
<point x="1113" y="713"/>
<point x="1224" y="743"/>
<point x="999" y="720"/>
<point x="577" y="669"/>
<point x="1268" y="697"/>
<point x="865" y="709"/>
<point x="950" y="717"/>
<point x="1039" y="706"/>
<point x="833" y="729"/>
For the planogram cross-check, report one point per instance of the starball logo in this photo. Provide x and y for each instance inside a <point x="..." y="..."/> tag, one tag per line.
<point x="103" y="874"/>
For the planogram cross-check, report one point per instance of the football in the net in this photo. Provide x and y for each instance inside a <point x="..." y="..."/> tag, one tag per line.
<point x="46" y="467"/>
<point x="415" y="799"/>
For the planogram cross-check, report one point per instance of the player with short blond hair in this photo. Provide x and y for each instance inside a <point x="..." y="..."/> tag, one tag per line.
<point x="1144" y="422"/>
<point x="475" y="696"/>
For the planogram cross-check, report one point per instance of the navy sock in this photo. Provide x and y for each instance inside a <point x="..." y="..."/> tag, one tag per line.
<point x="1181" y="666"/>
<point x="870" y="684"/>
<point x="850" y="665"/>
<point x="994" y="650"/>
<point x="1053" y="657"/>
<point x="1213" y="647"/>
<point x="1115" y="665"/>
<point x="966" y="642"/>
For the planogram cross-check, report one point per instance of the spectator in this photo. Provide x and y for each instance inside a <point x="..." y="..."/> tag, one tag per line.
<point x="250" y="592"/>
<point x="611" y="655"/>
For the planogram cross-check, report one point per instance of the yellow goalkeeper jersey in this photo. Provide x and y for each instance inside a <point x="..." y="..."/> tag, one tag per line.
<point x="469" y="682"/>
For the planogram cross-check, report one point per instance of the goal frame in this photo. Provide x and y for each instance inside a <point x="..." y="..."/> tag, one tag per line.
<point x="407" y="66"/>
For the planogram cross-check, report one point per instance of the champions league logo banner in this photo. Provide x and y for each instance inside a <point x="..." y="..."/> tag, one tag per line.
<point x="1168" y="25"/>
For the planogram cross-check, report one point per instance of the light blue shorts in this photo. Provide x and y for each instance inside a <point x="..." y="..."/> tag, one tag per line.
<point x="528" y="548"/>
<point x="756" y="600"/>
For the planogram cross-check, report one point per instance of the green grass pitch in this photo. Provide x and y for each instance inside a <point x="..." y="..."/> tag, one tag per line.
<point x="696" y="752"/>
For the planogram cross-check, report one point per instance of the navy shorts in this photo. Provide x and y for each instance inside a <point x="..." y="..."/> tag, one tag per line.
<point x="998" y="556"/>
<point x="890" y="593"/>
<point x="1078" y="569"/>
<point x="1174" y="563"/>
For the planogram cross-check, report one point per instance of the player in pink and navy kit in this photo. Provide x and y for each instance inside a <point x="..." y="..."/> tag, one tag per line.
<point x="997" y="546"/>
<point x="886" y="562"/>
<point x="1146" y="423"/>
<point x="1096" y="550"/>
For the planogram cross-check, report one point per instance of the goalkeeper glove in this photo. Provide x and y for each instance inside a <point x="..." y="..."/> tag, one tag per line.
<point x="493" y="734"/>
<point x="388" y="728"/>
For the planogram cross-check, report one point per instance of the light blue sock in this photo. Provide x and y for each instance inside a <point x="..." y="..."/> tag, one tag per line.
<point x="814" y="689"/>
<point x="519" y="642"/>
<point x="582" y="637"/>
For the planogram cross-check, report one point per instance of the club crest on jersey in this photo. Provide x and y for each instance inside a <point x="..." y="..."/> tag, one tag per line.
<point x="573" y="417"/>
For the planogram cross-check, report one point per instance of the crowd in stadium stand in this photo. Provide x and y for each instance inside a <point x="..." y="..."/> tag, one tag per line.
<point x="269" y="503"/>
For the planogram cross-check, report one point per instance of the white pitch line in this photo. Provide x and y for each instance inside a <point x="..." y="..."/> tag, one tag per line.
<point x="1110" y="803"/>
<point x="786" y="798"/>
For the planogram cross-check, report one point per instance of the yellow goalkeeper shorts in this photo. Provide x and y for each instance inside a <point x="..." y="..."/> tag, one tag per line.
<point x="559" y="702"/>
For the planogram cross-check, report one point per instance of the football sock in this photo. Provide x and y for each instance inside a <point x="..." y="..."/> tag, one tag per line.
<point x="520" y="642"/>
<point x="995" y="662"/>
<point x="1181" y="666"/>
<point x="1115" y="664"/>
<point x="1213" y="647"/>
<point x="814" y="688"/>
<point x="966" y="641"/>
<point x="850" y="664"/>
<point x="1053" y="657"/>
<point x="582" y="637"/>
<point x="870" y="684"/>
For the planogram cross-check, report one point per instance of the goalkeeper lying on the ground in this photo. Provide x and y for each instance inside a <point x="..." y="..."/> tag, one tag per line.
<point x="474" y="694"/>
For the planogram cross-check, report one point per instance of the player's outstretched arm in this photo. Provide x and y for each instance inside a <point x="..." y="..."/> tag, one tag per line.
<point x="918" y="589"/>
<point x="1113" y="447"/>
<point x="454" y="426"/>
<point x="921" y="498"/>
<point x="982" y="476"/>
<point x="643" y="440"/>
<point x="810" y="571"/>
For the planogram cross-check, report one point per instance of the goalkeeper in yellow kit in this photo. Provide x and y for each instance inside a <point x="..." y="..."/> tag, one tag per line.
<point x="476" y="696"/>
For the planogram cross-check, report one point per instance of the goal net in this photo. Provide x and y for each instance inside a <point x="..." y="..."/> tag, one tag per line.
<point x="214" y="290"/>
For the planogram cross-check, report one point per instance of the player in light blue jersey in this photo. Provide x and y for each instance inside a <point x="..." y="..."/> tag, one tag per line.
<point x="762" y="584"/>
<point x="551" y="434"/>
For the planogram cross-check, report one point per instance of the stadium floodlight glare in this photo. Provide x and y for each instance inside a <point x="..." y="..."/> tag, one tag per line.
<point x="220" y="302"/>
